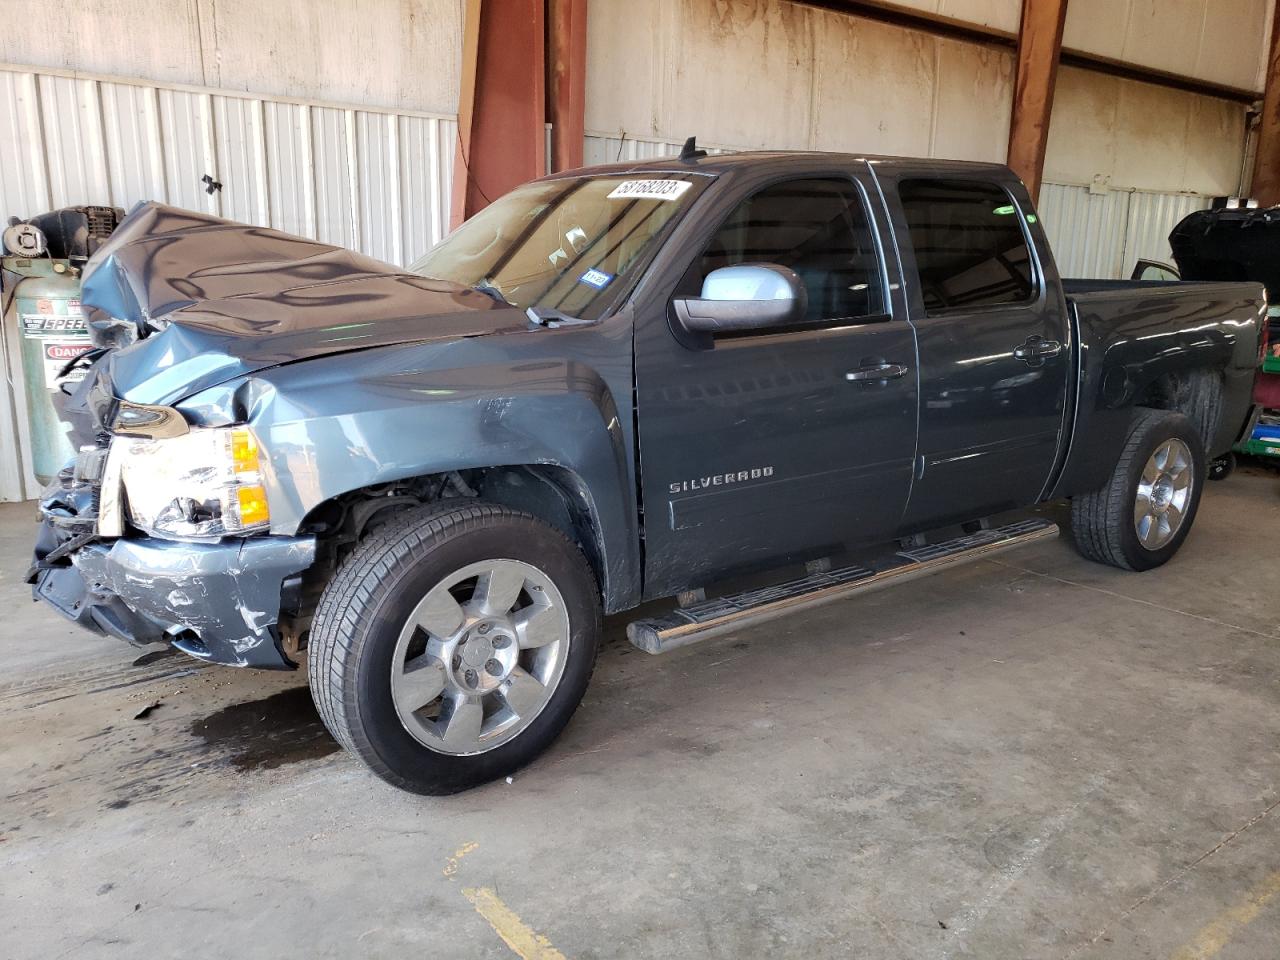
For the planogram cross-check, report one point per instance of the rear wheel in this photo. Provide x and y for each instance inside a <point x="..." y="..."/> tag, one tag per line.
<point x="454" y="645"/>
<point x="1141" y="517"/>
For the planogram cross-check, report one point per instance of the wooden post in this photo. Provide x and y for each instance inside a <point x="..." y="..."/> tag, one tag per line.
<point x="1039" y="47"/>
<point x="501" y="106"/>
<point x="567" y="80"/>
<point x="1266" y="166"/>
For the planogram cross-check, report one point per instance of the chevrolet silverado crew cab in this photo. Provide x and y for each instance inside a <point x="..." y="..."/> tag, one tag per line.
<point x="798" y="374"/>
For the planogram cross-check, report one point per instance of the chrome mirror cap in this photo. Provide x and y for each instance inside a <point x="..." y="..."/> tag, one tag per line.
<point x="746" y="296"/>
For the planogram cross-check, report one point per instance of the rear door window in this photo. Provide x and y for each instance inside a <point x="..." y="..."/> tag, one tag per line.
<point x="970" y="245"/>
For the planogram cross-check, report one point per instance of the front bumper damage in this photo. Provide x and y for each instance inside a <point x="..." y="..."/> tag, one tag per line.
<point x="219" y="602"/>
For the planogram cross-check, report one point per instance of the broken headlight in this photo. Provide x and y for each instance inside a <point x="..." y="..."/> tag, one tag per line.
<point x="203" y="484"/>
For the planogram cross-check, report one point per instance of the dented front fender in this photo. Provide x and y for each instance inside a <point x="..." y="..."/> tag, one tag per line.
<point x="337" y="424"/>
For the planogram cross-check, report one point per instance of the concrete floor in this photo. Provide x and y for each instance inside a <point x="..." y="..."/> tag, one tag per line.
<point x="1036" y="757"/>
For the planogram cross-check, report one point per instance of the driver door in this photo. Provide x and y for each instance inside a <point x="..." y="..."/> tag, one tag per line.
<point x="762" y="447"/>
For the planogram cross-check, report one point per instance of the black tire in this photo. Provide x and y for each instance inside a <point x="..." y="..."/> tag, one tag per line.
<point x="1103" y="521"/>
<point x="1223" y="467"/>
<point x="1204" y="401"/>
<point x="365" y="606"/>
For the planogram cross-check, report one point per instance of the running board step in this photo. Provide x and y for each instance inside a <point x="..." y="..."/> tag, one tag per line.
<point x="709" y="618"/>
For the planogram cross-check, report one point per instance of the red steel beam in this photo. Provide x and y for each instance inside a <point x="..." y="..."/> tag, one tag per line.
<point x="1039" y="49"/>
<point x="501" y="108"/>
<point x="1266" y="166"/>
<point x="567" y="80"/>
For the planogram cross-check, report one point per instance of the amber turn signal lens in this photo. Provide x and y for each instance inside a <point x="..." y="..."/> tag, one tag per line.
<point x="252" y="502"/>
<point x="244" y="451"/>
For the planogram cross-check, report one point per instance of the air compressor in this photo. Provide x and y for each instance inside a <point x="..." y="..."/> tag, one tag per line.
<point x="40" y="291"/>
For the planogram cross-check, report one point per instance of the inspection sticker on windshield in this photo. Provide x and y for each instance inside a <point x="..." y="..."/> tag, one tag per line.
<point x="650" y="190"/>
<point x="596" y="278"/>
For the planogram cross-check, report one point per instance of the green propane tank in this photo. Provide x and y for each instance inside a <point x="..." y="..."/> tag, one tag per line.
<point x="46" y="312"/>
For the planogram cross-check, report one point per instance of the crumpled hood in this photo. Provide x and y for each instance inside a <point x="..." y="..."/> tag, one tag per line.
<point x="237" y="299"/>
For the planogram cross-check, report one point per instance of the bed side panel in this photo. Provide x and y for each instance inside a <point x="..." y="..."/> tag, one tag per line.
<point x="1132" y="335"/>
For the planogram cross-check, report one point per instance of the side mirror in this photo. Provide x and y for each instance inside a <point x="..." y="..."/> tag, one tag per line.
<point x="748" y="296"/>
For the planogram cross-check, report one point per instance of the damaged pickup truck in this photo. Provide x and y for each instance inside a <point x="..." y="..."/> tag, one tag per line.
<point x="813" y="374"/>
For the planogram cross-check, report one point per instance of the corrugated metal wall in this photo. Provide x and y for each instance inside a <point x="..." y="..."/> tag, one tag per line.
<point x="1101" y="234"/>
<point x="376" y="181"/>
<point x="1151" y="217"/>
<point x="1086" y="231"/>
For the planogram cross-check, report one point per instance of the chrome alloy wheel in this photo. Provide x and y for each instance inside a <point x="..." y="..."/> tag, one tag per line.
<point x="1164" y="490"/>
<point x="480" y="656"/>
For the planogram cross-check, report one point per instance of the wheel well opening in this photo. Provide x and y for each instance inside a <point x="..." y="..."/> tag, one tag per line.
<point x="555" y="495"/>
<point x="1197" y="394"/>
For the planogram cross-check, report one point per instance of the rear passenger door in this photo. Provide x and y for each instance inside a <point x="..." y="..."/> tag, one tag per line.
<point x="994" y="347"/>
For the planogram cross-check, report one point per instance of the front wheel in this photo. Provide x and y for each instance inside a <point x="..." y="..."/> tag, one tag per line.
<point x="1144" y="513"/>
<point x="454" y="645"/>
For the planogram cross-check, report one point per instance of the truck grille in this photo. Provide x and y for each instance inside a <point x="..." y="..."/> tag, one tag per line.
<point x="90" y="462"/>
<point x="71" y="503"/>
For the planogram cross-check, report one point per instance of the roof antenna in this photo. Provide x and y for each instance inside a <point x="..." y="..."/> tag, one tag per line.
<point x="690" y="152"/>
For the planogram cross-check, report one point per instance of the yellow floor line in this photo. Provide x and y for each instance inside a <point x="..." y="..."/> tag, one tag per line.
<point x="451" y="866"/>
<point x="523" y="941"/>
<point x="1218" y="933"/>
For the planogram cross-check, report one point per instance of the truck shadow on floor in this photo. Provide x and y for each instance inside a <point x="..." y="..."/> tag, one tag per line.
<point x="280" y="729"/>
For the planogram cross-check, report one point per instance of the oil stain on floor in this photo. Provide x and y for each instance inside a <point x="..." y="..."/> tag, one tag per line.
<point x="158" y="731"/>
<point x="263" y="734"/>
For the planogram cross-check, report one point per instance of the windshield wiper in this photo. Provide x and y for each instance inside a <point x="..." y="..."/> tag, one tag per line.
<point x="551" y="317"/>
<point x="485" y="287"/>
<point x="542" y="316"/>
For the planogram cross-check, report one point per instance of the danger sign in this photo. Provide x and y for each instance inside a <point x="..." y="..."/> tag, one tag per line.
<point x="57" y="354"/>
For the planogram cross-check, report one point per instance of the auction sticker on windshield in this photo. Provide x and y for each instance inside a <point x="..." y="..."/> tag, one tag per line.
<point x="650" y="190"/>
<point x="596" y="278"/>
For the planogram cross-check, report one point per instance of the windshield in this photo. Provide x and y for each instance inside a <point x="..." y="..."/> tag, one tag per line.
<point x="564" y="245"/>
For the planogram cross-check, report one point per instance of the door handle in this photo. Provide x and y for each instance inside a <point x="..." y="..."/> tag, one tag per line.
<point x="1036" y="350"/>
<point x="877" y="371"/>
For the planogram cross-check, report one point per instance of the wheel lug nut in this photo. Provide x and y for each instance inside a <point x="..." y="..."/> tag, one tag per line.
<point x="500" y="643"/>
<point x="470" y="678"/>
<point x="484" y="628"/>
<point x="457" y="661"/>
<point x="494" y="667"/>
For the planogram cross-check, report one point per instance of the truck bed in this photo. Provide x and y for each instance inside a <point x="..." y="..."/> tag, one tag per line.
<point x="1149" y="329"/>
